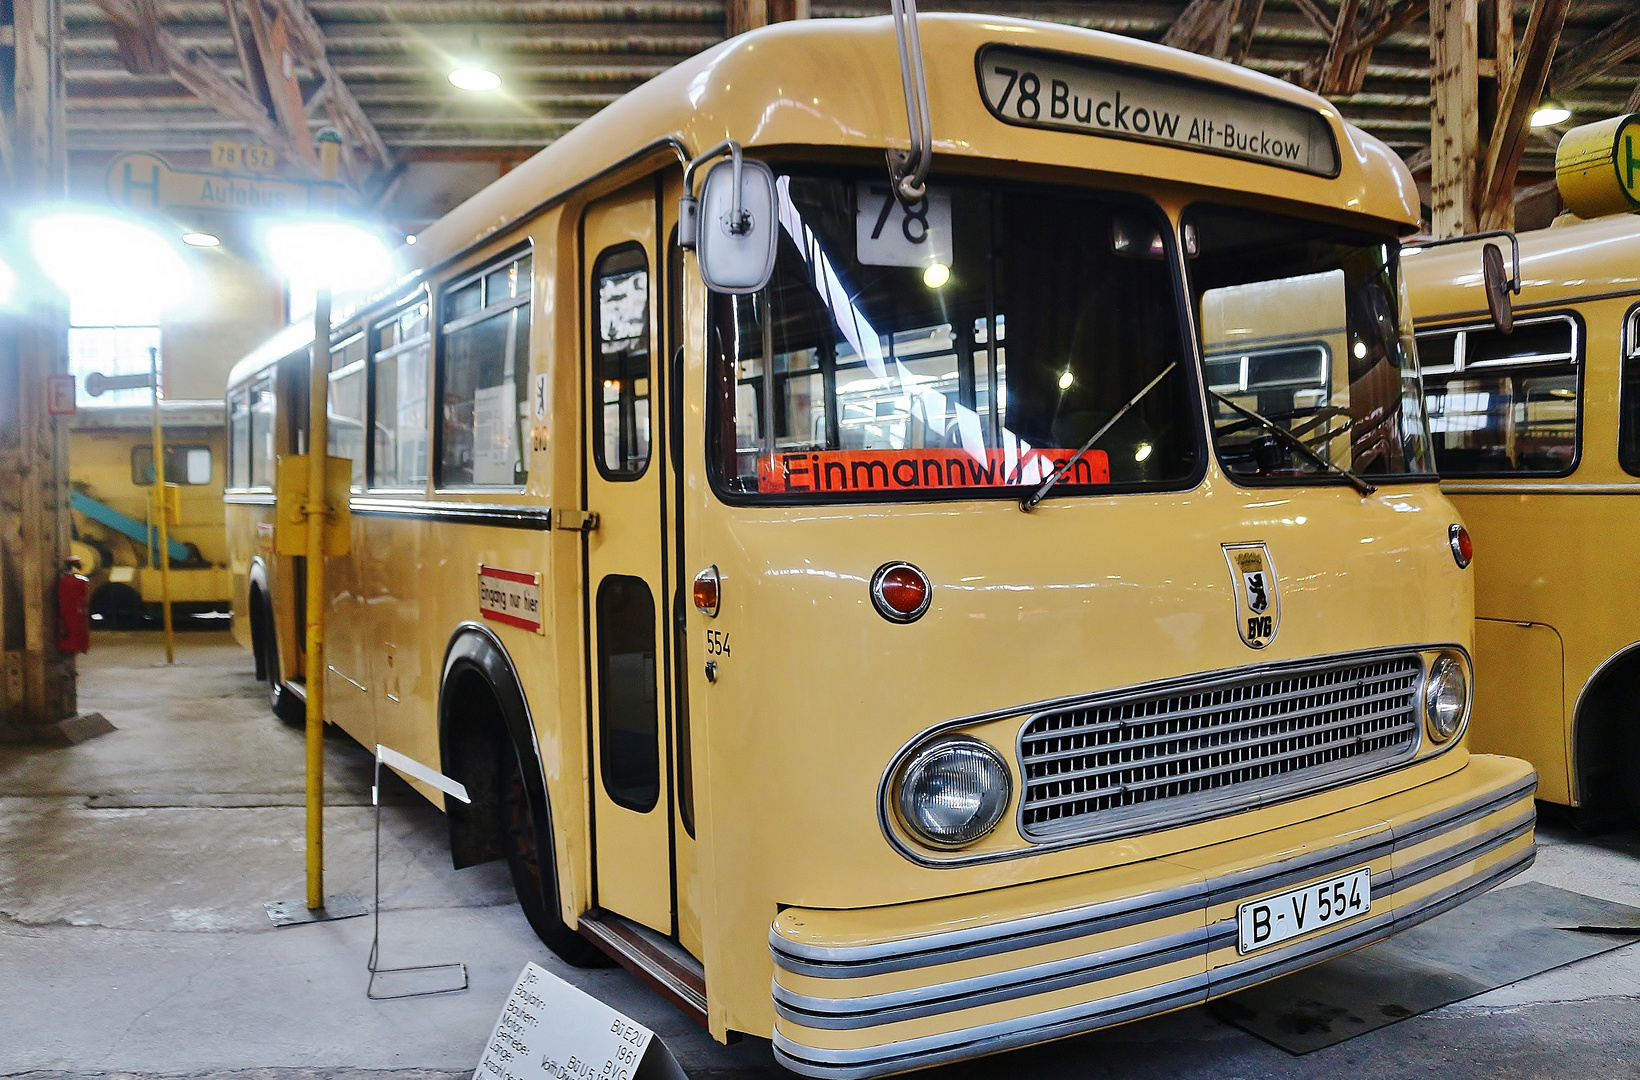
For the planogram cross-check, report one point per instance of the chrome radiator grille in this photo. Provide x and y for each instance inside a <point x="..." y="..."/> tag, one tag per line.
<point x="1151" y="760"/>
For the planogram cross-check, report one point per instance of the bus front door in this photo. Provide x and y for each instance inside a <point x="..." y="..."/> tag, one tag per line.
<point x="626" y="563"/>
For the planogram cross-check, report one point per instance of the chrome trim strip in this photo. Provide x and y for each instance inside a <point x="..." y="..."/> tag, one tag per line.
<point x="989" y="1038"/>
<point x="974" y="1042"/>
<point x="853" y="961"/>
<point x="1528" y="487"/>
<point x="873" y="1010"/>
<point x="1437" y="863"/>
<point x="927" y="950"/>
<point x="922" y="858"/>
<point x="500" y="515"/>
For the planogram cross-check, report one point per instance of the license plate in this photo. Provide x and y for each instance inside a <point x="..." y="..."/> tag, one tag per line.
<point x="1274" y="919"/>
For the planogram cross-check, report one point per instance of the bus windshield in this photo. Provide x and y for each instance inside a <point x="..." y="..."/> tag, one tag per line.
<point x="964" y="344"/>
<point x="1303" y="324"/>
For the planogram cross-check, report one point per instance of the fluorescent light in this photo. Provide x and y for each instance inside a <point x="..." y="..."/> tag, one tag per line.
<point x="114" y="270"/>
<point x="1550" y="113"/>
<point x="332" y="254"/>
<point x="476" y="79"/>
<point x="200" y="239"/>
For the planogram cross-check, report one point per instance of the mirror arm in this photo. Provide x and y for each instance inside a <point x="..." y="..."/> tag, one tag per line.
<point x="1514" y="282"/>
<point x="909" y="170"/>
<point x="689" y="206"/>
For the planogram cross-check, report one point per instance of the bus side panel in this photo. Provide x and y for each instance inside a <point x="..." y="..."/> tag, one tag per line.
<point x="249" y="538"/>
<point x="1518" y="701"/>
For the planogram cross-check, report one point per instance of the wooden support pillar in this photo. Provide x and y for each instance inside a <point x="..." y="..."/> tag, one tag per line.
<point x="743" y="15"/>
<point x="1454" y="135"/>
<point x="37" y="687"/>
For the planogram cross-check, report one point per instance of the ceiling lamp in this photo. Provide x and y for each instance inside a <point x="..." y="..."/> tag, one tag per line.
<point x="201" y="239"/>
<point x="1549" y="113"/>
<point x="474" y="78"/>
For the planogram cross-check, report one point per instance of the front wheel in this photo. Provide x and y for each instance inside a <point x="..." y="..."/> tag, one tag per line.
<point x="286" y="706"/>
<point x="532" y="871"/>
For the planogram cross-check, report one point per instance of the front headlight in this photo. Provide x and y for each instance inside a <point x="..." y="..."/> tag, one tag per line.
<point x="1446" y="697"/>
<point x="954" y="791"/>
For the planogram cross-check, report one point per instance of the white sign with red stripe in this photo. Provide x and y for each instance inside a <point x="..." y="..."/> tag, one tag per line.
<point x="510" y="596"/>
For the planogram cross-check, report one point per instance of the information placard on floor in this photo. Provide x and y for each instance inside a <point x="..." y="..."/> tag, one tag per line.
<point x="549" y="1029"/>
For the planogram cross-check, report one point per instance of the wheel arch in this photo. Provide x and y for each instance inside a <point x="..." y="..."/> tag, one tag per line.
<point x="468" y="743"/>
<point x="1605" y="713"/>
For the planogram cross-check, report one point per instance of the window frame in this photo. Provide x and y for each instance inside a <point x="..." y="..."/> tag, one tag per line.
<point x="373" y="354"/>
<point x="264" y="381"/>
<point x="1319" y="478"/>
<point x="1628" y="353"/>
<point x="1189" y="364"/>
<point x="237" y="453"/>
<point x="440" y="331"/>
<point x="1459" y="368"/>
<point x="595" y="433"/>
<point x="339" y="345"/>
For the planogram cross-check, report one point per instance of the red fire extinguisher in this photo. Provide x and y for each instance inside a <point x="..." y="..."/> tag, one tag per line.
<point x="73" y="609"/>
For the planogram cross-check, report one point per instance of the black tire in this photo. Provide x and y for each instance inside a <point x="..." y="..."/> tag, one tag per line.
<point x="286" y="706"/>
<point x="534" y="878"/>
<point x="1628" y="780"/>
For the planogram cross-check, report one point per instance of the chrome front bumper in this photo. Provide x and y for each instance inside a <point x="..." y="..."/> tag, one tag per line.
<point x="860" y="994"/>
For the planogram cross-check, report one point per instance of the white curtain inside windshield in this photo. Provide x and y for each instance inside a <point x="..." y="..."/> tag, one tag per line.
<point x="972" y="340"/>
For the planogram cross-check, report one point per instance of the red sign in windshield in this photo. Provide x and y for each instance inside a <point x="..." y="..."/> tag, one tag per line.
<point x="842" y="471"/>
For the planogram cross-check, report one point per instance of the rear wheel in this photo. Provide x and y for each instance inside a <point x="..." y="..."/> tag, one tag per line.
<point x="1628" y="781"/>
<point x="285" y="705"/>
<point x="533" y="875"/>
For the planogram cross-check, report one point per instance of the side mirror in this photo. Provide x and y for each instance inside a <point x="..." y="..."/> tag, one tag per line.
<point x="738" y="231"/>
<point x="1497" y="289"/>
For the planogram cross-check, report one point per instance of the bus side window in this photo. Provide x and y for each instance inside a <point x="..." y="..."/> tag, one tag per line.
<point x="184" y="465"/>
<point x="399" y="407"/>
<point x="1503" y="404"/>
<point x="483" y="378"/>
<point x="239" y="440"/>
<point x="620" y="418"/>
<point x="262" y="452"/>
<point x="345" y="422"/>
<point x="627" y="715"/>
<point x="1628" y="397"/>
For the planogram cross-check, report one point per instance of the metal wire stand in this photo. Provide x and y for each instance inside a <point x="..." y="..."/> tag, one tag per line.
<point x="376" y="920"/>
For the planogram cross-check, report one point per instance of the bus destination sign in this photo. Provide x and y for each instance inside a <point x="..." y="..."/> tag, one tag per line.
<point x="1095" y="97"/>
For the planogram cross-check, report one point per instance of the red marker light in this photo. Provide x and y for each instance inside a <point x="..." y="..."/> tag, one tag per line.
<point x="900" y="592"/>
<point x="706" y="591"/>
<point x="1463" y="548"/>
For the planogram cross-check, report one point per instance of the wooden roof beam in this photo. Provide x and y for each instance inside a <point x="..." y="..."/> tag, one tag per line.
<point x="345" y="109"/>
<point x="1610" y="47"/>
<point x="135" y="42"/>
<point x="1209" y="27"/>
<point x="1521" y="94"/>
<point x="1359" y="29"/>
<point x="208" y="82"/>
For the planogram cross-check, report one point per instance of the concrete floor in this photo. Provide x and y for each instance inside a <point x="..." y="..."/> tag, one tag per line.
<point x="133" y="941"/>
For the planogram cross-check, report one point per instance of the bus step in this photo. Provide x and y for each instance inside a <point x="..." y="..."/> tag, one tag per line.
<point x="658" y="961"/>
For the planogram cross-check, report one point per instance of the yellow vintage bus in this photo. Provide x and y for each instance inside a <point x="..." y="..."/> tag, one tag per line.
<point x="111" y="478"/>
<point x="1537" y="435"/>
<point x="721" y="602"/>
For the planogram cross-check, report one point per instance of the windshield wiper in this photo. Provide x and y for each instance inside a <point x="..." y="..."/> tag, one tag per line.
<point x="1356" y="481"/>
<point x="1028" y="503"/>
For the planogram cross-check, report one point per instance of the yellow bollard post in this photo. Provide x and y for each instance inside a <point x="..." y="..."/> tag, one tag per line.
<point x="318" y="449"/>
<point x="160" y="511"/>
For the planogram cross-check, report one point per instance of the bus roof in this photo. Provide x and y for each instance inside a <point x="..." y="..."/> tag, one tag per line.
<point x="836" y="83"/>
<point x="1558" y="264"/>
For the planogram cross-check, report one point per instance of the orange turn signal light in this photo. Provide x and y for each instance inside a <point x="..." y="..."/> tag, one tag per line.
<point x="706" y="592"/>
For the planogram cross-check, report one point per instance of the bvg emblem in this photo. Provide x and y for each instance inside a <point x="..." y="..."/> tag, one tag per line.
<point x="1258" y="605"/>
